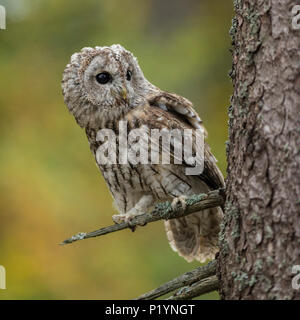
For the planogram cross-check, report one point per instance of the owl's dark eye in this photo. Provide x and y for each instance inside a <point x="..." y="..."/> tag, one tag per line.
<point x="103" y="77"/>
<point x="128" y="75"/>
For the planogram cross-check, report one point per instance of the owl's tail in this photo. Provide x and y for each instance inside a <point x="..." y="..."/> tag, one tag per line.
<point x="195" y="236"/>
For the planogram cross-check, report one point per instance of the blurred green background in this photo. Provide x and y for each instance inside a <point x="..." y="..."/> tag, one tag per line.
<point x="50" y="187"/>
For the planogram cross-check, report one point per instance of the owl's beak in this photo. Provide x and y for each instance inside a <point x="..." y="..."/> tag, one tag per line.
<point x="120" y="94"/>
<point x="124" y="94"/>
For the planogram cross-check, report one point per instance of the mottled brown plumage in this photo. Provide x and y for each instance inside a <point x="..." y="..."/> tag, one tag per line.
<point x="137" y="187"/>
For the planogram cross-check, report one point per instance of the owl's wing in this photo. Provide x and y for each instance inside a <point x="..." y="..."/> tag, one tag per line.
<point x="179" y="113"/>
<point x="178" y="106"/>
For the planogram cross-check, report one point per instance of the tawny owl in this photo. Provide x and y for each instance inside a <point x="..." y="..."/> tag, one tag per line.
<point x="104" y="85"/>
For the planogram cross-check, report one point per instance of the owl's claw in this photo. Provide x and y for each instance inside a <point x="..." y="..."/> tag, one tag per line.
<point x="119" y="218"/>
<point x="179" y="200"/>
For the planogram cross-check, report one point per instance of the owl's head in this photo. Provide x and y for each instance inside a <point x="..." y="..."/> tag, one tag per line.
<point x="101" y="83"/>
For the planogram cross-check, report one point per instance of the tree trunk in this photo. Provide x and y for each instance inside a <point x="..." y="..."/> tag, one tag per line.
<point x="260" y="236"/>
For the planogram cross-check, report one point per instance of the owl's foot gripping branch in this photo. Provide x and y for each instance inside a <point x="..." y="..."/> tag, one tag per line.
<point x="162" y="211"/>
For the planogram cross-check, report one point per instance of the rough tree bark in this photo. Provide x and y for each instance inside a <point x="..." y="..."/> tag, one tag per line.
<point x="260" y="237"/>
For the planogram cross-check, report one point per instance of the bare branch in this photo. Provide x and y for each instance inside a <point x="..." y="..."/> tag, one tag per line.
<point x="162" y="211"/>
<point x="185" y="279"/>
<point x="197" y="289"/>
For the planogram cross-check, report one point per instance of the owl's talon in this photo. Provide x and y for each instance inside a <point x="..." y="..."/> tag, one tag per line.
<point x="179" y="200"/>
<point x="130" y="226"/>
<point x="119" y="218"/>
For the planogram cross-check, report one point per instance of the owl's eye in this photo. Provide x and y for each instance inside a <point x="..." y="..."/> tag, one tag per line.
<point x="128" y="75"/>
<point x="103" y="77"/>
